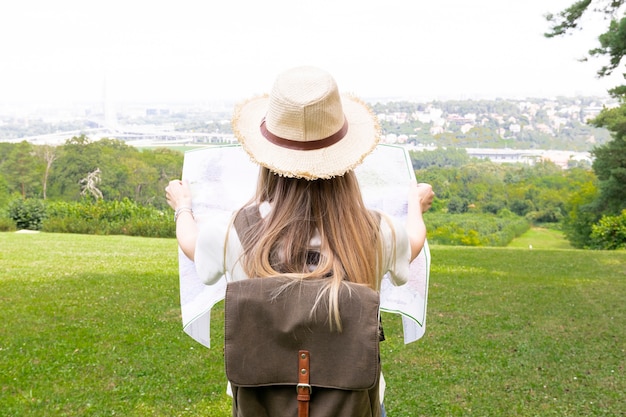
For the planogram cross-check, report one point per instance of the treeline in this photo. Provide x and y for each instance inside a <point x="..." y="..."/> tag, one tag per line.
<point x="481" y="203"/>
<point x="572" y="200"/>
<point x="102" y="187"/>
<point x="540" y="193"/>
<point x="107" y="169"/>
<point x="108" y="187"/>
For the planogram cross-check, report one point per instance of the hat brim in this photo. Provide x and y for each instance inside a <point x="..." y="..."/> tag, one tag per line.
<point x="335" y="160"/>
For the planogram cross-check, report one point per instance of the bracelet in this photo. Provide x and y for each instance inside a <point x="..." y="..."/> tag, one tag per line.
<point x="182" y="210"/>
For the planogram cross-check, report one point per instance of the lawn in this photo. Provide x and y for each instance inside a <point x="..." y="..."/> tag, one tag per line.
<point x="91" y="327"/>
<point x="541" y="238"/>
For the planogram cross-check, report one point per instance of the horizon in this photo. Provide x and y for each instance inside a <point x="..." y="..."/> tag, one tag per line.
<point x="49" y="104"/>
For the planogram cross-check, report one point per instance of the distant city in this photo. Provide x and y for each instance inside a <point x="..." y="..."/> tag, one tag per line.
<point x="503" y="130"/>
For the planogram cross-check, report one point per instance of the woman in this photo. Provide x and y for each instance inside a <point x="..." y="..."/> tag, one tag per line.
<point x="307" y="219"/>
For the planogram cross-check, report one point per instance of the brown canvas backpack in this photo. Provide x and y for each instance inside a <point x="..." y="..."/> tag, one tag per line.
<point x="282" y="357"/>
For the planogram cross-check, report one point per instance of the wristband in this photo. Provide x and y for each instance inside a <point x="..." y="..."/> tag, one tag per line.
<point x="182" y="210"/>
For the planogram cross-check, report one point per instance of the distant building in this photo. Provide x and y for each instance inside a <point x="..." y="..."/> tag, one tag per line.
<point x="157" y="112"/>
<point x="515" y="128"/>
<point x="529" y="157"/>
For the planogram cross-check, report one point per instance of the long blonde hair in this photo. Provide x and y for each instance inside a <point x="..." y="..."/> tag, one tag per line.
<point x="350" y="238"/>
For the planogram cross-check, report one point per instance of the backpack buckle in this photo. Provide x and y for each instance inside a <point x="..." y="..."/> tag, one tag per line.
<point x="304" y="387"/>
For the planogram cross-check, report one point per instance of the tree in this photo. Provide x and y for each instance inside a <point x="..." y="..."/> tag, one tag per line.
<point x="168" y="165"/>
<point x="4" y="191"/>
<point x="89" y="184"/>
<point x="48" y="154"/>
<point x="581" y="216"/>
<point x="453" y="157"/>
<point x="610" y="162"/>
<point x="612" y="42"/>
<point x="457" y="205"/>
<point x="76" y="160"/>
<point x="610" y="159"/>
<point x="23" y="169"/>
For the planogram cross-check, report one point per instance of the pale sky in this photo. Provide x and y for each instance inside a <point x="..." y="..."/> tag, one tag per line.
<point x="61" y="51"/>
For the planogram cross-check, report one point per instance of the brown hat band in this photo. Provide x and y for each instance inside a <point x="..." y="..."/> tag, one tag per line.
<point x="311" y="145"/>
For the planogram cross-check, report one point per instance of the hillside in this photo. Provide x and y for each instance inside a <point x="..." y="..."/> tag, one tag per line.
<point x="558" y="123"/>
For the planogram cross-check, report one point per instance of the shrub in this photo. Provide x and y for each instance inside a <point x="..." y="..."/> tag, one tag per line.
<point x="6" y="224"/>
<point x="27" y="213"/>
<point x="122" y="217"/>
<point x="609" y="232"/>
<point x="474" y="229"/>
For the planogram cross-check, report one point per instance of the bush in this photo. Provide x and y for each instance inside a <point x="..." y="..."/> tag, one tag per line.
<point x="474" y="229"/>
<point x="27" y="213"/>
<point x="122" y="217"/>
<point x="609" y="232"/>
<point x="6" y="224"/>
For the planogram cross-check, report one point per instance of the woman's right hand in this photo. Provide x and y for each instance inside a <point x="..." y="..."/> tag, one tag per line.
<point x="422" y="194"/>
<point x="178" y="194"/>
<point x="420" y="199"/>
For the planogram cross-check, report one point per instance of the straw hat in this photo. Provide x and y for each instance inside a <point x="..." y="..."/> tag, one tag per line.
<point x="305" y="128"/>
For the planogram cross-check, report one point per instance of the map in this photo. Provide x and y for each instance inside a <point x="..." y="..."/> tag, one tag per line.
<point x="222" y="179"/>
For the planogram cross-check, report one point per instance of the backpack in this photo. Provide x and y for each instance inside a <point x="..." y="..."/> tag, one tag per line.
<point x="283" y="359"/>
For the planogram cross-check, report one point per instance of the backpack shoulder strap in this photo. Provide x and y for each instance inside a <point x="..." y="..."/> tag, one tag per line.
<point x="246" y="220"/>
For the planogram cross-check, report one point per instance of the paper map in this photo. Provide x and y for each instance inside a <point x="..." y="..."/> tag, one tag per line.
<point x="222" y="179"/>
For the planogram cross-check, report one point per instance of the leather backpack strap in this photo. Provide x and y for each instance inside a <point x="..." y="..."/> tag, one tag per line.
<point x="303" y="388"/>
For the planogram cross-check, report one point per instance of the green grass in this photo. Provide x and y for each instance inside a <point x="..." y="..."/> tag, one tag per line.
<point x="514" y="332"/>
<point x="91" y="327"/>
<point x="541" y="238"/>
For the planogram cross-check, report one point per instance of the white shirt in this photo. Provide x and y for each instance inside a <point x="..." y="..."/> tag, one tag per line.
<point x="213" y="260"/>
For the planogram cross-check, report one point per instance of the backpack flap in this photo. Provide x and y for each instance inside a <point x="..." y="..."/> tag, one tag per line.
<point x="268" y="320"/>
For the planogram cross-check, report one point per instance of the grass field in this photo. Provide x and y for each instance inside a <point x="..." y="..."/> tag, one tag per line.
<point x="540" y="238"/>
<point x="91" y="327"/>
